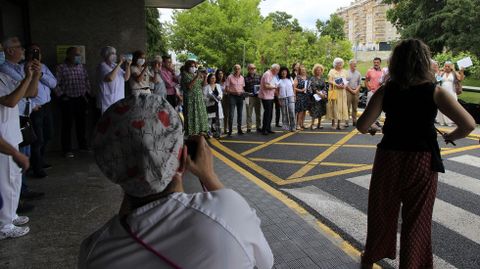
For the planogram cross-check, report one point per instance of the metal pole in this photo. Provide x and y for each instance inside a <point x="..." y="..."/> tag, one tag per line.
<point x="243" y="66"/>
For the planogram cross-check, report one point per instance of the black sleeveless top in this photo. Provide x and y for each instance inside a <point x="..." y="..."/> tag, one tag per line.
<point x="409" y="124"/>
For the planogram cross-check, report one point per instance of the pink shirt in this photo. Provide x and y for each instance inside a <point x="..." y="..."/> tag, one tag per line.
<point x="235" y="85"/>
<point x="374" y="79"/>
<point x="266" y="93"/>
<point x="170" y="80"/>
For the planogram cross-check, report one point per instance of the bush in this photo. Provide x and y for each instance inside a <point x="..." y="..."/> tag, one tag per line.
<point x="472" y="72"/>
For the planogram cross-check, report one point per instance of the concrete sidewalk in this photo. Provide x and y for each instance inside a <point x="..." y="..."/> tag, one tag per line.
<point x="79" y="200"/>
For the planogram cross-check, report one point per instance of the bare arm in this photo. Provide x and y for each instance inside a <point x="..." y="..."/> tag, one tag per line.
<point x="13" y="98"/>
<point x="453" y="110"/>
<point x="372" y="111"/>
<point x="36" y="69"/>
<point x="202" y="167"/>
<point x="113" y="74"/>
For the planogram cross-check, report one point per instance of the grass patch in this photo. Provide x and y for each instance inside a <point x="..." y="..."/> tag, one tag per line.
<point x="470" y="97"/>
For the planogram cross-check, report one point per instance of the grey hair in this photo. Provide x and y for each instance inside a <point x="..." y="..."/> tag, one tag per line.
<point x="157" y="58"/>
<point x="352" y="61"/>
<point x="337" y="61"/>
<point x="9" y="42"/>
<point x="107" y="51"/>
<point x="275" y="66"/>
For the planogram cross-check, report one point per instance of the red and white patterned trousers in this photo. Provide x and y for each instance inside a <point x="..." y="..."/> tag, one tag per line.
<point x="401" y="178"/>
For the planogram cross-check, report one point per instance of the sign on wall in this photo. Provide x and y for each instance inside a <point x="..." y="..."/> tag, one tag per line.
<point x="62" y="52"/>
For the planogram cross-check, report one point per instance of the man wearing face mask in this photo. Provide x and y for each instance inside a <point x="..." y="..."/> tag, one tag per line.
<point x="11" y="91"/>
<point x="72" y="87"/>
<point x="112" y="77"/>
<point x="14" y="54"/>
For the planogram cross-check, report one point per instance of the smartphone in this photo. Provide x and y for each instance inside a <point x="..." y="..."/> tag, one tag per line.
<point x="192" y="147"/>
<point x="35" y="54"/>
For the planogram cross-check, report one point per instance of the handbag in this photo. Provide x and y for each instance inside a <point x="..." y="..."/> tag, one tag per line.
<point x="26" y="127"/>
<point x="212" y="109"/>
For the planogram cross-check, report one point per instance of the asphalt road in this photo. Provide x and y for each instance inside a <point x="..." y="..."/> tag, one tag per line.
<point x="328" y="172"/>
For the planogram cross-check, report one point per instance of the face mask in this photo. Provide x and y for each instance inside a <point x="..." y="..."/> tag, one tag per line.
<point x="193" y="69"/>
<point x="77" y="60"/>
<point x="140" y="61"/>
<point x="2" y="57"/>
<point x="112" y="58"/>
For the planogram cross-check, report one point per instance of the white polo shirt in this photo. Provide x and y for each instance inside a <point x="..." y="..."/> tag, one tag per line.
<point x="9" y="117"/>
<point x="212" y="230"/>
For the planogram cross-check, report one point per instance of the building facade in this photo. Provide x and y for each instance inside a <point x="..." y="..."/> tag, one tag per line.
<point x="366" y="24"/>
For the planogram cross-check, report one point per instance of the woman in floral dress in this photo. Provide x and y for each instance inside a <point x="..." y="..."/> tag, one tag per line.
<point x="317" y="85"/>
<point x="197" y="118"/>
<point x="302" y="102"/>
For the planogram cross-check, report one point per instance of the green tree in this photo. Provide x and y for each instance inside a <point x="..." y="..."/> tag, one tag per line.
<point x="155" y="34"/>
<point x="282" y="20"/>
<point x="217" y="31"/>
<point x="452" y="24"/>
<point x="333" y="27"/>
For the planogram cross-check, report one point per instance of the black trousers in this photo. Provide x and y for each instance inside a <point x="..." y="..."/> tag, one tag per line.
<point x="278" y="112"/>
<point x="43" y="126"/>
<point x="73" y="110"/>
<point x="267" y="115"/>
<point x="235" y="101"/>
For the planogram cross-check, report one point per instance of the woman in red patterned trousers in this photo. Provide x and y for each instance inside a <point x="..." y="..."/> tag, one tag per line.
<point x="408" y="158"/>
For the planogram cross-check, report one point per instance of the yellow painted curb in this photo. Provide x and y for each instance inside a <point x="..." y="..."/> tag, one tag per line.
<point x="344" y="245"/>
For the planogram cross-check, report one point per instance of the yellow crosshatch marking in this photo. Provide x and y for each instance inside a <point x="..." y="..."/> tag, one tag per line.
<point x="271" y="142"/>
<point x="307" y="166"/>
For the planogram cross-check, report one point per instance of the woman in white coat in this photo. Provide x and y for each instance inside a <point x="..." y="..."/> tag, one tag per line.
<point x="213" y="95"/>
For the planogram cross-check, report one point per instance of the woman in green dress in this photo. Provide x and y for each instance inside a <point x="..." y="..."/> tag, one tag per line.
<point x="196" y="120"/>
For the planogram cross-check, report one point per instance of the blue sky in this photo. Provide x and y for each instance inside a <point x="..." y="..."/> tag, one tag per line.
<point x="307" y="12"/>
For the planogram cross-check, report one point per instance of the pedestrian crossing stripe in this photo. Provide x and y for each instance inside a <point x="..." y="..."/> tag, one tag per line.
<point x="467" y="159"/>
<point x="349" y="219"/>
<point x="452" y="217"/>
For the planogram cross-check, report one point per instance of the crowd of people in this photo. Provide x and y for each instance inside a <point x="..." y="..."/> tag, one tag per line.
<point x="150" y="173"/>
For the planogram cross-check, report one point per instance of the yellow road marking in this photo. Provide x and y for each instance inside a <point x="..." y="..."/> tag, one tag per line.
<point x="342" y="164"/>
<point x="321" y="132"/>
<point x="462" y="149"/>
<point x="303" y="144"/>
<point x="343" y="244"/>
<point x="273" y="141"/>
<point x="269" y="175"/>
<point x="242" y="142"/>
<point x="358" y="146"/>
<point x="328" y="175"/>
<point x="309" y="166"/>
<point x="277" y="161"/>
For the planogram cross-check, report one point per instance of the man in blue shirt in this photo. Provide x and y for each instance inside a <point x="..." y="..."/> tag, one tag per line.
<point x="41" y="115"/>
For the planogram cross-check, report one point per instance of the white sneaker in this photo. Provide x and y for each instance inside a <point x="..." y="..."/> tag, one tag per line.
<point x="13" y="232"/>
<point x="21" y="220"/>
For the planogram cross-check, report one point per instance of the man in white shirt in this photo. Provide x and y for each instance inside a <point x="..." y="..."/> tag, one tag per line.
<point x="112" y="77"/>
<point x="11" y="92"/>
<point x="139" y="145"/>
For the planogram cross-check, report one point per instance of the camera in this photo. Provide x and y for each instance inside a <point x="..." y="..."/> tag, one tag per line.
<point x="192" y="147"/>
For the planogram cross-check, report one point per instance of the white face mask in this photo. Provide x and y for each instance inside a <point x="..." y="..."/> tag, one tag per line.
<point x="192" y="69"/>
<point x="112" y="58"/>
<point x="141" y="61"/>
